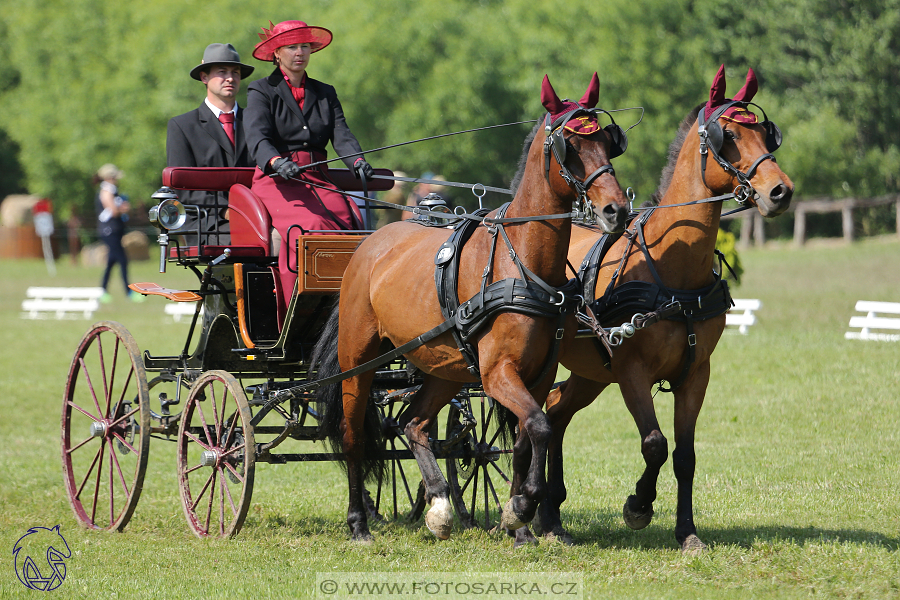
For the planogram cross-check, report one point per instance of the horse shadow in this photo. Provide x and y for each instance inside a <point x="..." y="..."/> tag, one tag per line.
<point x="607" y="530"/>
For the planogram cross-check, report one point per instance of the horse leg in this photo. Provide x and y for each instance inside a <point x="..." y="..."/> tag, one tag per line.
<point x="355" y="399"/>
<point x="416" y="421"/>
<point x="638" y="509"/>
<point x="504" y="384"/>
<point x="688" y="402"/>
<point x="562" y="404"/>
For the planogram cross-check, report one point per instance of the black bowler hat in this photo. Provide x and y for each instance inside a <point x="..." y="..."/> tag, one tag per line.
<point x="221" y="54"/>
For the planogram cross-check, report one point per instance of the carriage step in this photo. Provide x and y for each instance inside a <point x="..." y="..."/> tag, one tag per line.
<point x="152" y="289"/>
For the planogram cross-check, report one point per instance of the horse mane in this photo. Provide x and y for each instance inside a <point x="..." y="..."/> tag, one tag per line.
<point x="674" y="150"/>
<point x="520" y="169"/>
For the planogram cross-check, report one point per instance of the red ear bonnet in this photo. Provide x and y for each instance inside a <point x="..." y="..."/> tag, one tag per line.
<point x="582" y="125"/>
<point x="745" y="94"/>
<point x="550" y="100"/>
<point x="589" y="100"/>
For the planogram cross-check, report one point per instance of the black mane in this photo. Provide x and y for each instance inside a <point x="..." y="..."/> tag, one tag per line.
<point x="520" y="171"/>
<point x="674" y="150"/>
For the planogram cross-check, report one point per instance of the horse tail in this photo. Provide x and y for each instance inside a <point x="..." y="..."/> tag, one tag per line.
<point x="330" y="404"/>
<point x="506" y="422"/>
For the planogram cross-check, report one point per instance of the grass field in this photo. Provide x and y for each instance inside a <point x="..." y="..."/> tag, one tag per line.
<point x="798" y="465"/>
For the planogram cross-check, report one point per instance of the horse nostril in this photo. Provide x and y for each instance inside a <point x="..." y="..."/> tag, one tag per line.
<point x="611" y="213"/>
<point x="780" y="192"/>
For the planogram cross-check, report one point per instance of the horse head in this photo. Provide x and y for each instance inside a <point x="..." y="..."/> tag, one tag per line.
<point x="742" y="145"/>
<point x="582" y="150"/>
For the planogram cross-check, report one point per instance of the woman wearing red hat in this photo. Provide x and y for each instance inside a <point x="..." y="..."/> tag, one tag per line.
<point x="289" y="120"/>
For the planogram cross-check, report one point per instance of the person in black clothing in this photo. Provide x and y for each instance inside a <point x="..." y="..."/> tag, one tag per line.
<point x="112" y="212"/>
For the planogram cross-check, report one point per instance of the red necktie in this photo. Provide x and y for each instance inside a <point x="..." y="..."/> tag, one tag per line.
<point x="227" y="120"/>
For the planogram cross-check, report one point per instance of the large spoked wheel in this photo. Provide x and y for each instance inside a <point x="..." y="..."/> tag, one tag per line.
<point x="105" y="427"/>
<point x="216" y="456"/>
<point x="476" y="466"/>
<point x="401" y="493"/>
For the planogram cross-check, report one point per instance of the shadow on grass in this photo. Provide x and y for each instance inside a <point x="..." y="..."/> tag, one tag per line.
<point x="606" y="529"/>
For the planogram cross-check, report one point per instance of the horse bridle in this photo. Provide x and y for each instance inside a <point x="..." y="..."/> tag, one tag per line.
<point x="712" y="136"/>
<point x="555" y="144"/>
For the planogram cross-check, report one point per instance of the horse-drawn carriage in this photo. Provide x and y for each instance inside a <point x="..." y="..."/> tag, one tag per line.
<point x="214" y="400"/>
<point x="495" y="325"/>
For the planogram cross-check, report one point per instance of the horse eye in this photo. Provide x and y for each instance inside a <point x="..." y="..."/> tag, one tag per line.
<point x="729" y="135"/>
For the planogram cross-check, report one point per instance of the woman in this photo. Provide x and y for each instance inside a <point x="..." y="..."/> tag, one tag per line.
<point x="290" y="119"/>
<point x="112" y="212"/>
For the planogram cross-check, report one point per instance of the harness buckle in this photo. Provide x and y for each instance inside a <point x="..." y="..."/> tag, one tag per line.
<point x="692" y="339"/>
<point x="559" y="333"/>
<point x="562" y="299"/>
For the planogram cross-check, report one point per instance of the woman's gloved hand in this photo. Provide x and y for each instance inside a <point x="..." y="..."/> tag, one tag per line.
<point x="286" y="168"/>
<point x="361" y="166"/>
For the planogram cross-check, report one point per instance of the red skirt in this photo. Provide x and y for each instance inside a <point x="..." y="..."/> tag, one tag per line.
<point x="294" y="202"/>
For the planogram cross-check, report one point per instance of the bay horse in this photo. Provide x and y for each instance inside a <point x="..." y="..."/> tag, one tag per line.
<point x="672" y="248"/>
<point x="388" y="297"/>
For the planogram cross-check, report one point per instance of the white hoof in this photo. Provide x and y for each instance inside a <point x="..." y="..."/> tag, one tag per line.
<point x="439" y="518"/>
<point x="509" y="520"/>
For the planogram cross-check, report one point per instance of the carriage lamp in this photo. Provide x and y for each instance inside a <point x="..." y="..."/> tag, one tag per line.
<point x="167" y="215"/>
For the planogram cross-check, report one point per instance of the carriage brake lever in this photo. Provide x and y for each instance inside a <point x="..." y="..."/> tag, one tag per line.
<point x="225" y="254"/>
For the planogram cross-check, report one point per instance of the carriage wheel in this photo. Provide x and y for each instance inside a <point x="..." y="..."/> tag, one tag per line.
<point x="105" y="427"/>
<point x="401" y="493"/>
<point x="216" y="456"/>
<point x="477" y="468"/>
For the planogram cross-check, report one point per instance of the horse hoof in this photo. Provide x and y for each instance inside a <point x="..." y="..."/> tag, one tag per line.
<point x="439" y="518"/>
<point x="636" y="520"/>
<point x="510" y="520"/>
<point x="560" y="536"/>
<point x="692" y="546"/>
<point x="363" y="539"/>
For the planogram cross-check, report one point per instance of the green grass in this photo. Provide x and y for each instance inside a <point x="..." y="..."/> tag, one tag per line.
<point x="795" y="491"/>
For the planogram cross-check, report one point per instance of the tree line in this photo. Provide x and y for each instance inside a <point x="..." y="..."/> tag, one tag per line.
<point x="95" y="81"/>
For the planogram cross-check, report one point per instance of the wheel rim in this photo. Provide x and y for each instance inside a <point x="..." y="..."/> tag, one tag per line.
<point x="216" y="456"/>
<point x="476" y="469"/>
<point x="105" y="428"/>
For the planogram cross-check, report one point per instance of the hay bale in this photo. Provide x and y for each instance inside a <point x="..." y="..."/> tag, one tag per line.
<point x="137" y="245"/>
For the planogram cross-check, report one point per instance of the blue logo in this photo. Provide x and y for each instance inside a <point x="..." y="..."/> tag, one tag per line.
<point x="50" y="549"/>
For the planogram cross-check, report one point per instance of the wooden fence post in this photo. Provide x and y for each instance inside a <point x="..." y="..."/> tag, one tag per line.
<point x="747" y="227"/>
<point x="847" y="219"/>
<point x="799" y="224"/>
<point x="759" y="232"/>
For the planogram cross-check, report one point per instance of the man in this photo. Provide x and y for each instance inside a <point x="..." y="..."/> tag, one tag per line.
<point x="211" y="135"/>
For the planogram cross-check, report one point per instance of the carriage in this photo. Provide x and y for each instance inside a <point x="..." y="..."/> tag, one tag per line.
<point x="647" y="276"/>
<point x="224" y="402"/>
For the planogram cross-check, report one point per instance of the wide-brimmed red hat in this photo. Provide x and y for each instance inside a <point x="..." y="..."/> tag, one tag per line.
<point x="287" y="33"/>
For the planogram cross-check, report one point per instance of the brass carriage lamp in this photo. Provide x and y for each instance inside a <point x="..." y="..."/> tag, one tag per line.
<point x="169" y="214"/>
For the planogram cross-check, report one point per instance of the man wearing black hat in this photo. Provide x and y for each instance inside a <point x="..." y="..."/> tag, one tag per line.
<point x="211" y="135"/>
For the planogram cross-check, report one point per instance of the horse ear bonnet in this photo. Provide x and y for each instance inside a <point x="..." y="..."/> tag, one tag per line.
<point x="718" y="105"/>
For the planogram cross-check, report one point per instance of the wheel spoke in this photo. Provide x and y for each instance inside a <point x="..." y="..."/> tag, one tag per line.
<point x="190" y="435"/>
<point x="82" y="411"/>
<point x="112" y="376"/>
<point x="234" y="472"/>
<point x="234" y="509"/>
<point x="222" y="485"/>
<point x="192" y="469"/>
<point x="90" y="383"/>
<point x="97" y="483"/>
<point x="212" y="497"/>
<point x="493" y="492"/>
<point x="115" y="459"/>
<point x="203" y="491"/>
<point x="123" y="417"/>
<point x="125" y="443"/>
<point x="89" y="471"/>
<point x="73" y="449"/>
<point x="233" y="450"/>
<point x="103" y="371"/>
<point x="125" y="388"/>
<point x="216" y="422"/>
<point x="474" y="493"/>
<point x="112" y="495"/>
